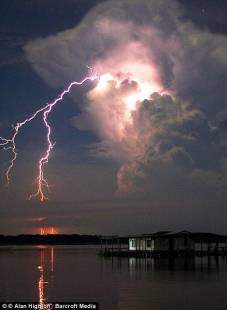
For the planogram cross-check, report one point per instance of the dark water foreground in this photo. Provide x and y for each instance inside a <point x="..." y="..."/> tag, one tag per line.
<point x="71" y="273"/>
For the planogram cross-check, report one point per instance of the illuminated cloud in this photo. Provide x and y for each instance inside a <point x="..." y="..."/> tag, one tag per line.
<point x="176" y="143"/>
<point x="160" y="102"/>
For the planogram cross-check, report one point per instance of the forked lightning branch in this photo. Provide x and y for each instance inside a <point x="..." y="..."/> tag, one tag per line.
<point x="9" y="144"/>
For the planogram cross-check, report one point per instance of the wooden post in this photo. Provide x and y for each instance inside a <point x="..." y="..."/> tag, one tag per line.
<point x="208" y="248"/>
<point x="118" y="245"/>
<point x="216" y="247"/>
<point x="106" y="246"/>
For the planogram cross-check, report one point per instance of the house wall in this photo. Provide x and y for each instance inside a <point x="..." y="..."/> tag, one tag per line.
<point x="141" y="244"/>
<point x="149" y="244"/>
<point x="161" y="244"/>
<point x="222" y="245"/>
<point x="204" y="246"/>
<point x="183" y="243"/>
<point x="178" y="243"/>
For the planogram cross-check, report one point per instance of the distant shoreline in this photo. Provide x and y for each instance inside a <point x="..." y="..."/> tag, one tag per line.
<point x="58" y="239"/>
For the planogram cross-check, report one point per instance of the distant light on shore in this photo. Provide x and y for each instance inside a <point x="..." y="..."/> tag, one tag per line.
<point x="48" y="231"/>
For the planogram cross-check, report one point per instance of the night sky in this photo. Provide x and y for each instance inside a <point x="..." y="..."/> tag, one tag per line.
<point x="167" y="168"/>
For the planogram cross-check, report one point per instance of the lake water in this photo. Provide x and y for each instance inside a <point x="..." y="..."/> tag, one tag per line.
<point x="71" y="273"/>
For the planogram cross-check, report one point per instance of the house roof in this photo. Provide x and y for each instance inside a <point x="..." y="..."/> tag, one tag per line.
<point x="196" y="236"/>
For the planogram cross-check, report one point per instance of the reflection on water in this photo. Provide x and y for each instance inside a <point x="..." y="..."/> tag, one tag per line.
<point x="52" y="259"/>
<point x="41" y="279"/>
<point x="70" y="273"/>
<point x="43" y="269"/>
<point x="203" y="263"/>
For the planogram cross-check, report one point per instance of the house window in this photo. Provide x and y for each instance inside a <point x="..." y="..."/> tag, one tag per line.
<point x="133" y="243"/>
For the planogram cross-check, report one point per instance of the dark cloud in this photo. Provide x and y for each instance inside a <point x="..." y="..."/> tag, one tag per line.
<point x="178" y="147"/>
<point x="23" y="20"/>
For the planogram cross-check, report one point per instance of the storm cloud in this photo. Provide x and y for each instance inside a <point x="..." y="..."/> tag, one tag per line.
<point x="173" y="143"/>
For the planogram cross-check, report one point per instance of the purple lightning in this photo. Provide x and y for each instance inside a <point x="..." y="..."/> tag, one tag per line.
<point x="10" y="144"/>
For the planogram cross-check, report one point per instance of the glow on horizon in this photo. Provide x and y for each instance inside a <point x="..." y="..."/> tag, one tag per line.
<point x="48" y="231"/>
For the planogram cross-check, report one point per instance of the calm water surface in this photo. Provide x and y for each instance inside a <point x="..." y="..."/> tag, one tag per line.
<point x="71" y="273"/>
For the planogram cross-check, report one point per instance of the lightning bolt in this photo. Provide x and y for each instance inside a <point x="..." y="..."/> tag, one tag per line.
<point x="42" y="186"/>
